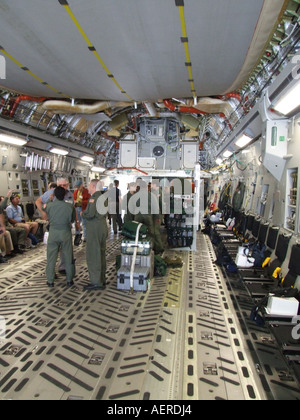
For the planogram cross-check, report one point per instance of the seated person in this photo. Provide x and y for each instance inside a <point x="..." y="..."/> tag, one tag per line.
<point x="6" y="245"/>
<point x="38" y="217"/>
<point x="215" y="217"/>
<point x="18" y="234"/>
<point x="16" y="218"/>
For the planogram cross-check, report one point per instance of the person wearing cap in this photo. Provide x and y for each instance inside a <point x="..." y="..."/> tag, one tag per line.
<point x="18" y="235"/>
<point x="61" y="216"/>
<point x="81" y="197"/>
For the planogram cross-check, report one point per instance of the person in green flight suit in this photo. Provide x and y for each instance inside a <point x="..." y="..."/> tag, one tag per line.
<point x="97" y="233"/>
<point x="61" y="216"/>
<point x="157" y="217"/>
<point x="129" y="217"/>
<point x="148" y="213"/>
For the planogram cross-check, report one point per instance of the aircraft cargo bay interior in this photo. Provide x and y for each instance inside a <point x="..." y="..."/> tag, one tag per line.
<point x="149" y="202"/>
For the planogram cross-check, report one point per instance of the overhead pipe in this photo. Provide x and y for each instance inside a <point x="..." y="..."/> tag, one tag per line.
<point x="182" y="109"/>
<point x="23" y="98"/>
<point x="185" y="109"/>
<point x="110" y="138"/>
<point x="133" y="121"/>
<point x="231" y="95"/>
<point x="239" y="97"/>
<point x="3" y="100"/>
<point x="234" y="95"/>
<point x="127" y="168"/>
<point x="134" y="118"/>
<point x="100" y="153"/>
<point x="222" y="115"/>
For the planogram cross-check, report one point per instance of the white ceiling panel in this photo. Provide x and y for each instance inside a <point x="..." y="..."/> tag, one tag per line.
<point x="139" y="42"/>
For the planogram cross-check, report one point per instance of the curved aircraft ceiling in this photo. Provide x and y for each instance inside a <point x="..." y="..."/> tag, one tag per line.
<point x="141" y="50"/>
<point x="109" y="63"/>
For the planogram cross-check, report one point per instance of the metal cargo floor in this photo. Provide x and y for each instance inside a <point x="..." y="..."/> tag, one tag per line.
<point x="181" y="340"/>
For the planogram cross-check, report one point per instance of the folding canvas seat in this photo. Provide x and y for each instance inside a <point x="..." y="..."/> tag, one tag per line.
<point x="271" y="242"/>
<point x="258" y="286"/>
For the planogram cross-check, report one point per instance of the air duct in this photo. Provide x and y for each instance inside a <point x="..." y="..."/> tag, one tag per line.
<point x="212" y="105"/>
<point x="63" y="107"/>
<point x="190" y="122"/>
<point x="151" y="109"/>
<point x="119" y="121"/>
<point x="23" y="98"/>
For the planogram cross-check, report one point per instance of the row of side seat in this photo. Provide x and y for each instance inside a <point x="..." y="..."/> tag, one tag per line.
<point x="281" y="272"/>
<point x="283" y="251"/>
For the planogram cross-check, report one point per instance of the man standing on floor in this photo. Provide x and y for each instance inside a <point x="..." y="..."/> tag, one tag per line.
<point x="49" y="195"/>
<point x="115" y="209"/>
<point x="61" y="216"/>
<point x="97" y="233"/>
<point x="129" y="217"/>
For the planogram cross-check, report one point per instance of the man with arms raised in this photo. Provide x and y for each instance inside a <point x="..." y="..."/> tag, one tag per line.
<point x="49" y="195"/>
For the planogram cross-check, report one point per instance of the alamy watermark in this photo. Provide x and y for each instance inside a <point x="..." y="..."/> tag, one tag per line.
<point x="296" y="329"/>
<point x="167" y="198"/>
<point x="2" y="67"/>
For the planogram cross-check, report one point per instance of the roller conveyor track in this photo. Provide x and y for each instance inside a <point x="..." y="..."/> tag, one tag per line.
<point x="179" y="341"/>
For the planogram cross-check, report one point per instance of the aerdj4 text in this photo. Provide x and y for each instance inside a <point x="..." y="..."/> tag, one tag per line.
<point x="160" y="410"/>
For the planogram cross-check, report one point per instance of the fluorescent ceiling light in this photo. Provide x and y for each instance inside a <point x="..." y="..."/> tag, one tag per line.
<point x="4" y="138"/>
<point x="227" y="154"/>
<point x="97" y="169"/>
<point x="243" y="141"/>
<point x="289" y="102"/>
<point x="57" y="151"/>
<point x="87" y="158"/>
